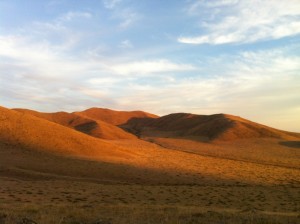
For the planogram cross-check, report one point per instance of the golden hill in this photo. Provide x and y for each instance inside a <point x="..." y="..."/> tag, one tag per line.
<point x="215" y="127"/>
<point x="95" y="128"/>
<point x="30" y="132"/>
<point x="112" y="116"/>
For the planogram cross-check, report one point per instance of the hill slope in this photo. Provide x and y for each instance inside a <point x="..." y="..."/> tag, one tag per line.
<point x="114" y="117"/>
<point x="215" y="127"/>
<point x="30" y="132"/>
<point x="95" y="128"/>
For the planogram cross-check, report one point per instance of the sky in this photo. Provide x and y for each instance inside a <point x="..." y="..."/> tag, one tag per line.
<point x="237" y="57"/>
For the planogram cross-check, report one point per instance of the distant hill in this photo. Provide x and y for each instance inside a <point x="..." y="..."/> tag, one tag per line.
<point x="112" y="116"/>
<point x="95" y="128"/>
<point x="106" y="123"/>
<point x="215" y="127"/>
<point x="63" y="118"/>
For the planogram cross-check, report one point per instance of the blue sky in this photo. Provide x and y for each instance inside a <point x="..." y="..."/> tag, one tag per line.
<point x="225" y="56"/>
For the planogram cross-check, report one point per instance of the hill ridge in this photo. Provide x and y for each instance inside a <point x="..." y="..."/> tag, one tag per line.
<point x="30" y="132"/>
<point x="81" y="123"/>
<point x="215" y="127"/>
<point x="113" y="117"/>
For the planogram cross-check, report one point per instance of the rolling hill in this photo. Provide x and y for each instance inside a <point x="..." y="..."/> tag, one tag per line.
<point x="112" y="116"/>
<point x="217" y="127"/>
<point x="95" y="128"/>
<point x="180" y="145"/>
<point x="30" y="132"/>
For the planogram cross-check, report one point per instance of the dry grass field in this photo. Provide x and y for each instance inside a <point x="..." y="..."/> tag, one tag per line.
<point x="51" y="201"/>
<point x="53" y="174"/>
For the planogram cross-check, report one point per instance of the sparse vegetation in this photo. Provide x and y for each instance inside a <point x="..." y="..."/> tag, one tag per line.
<point x="140" y="214"/>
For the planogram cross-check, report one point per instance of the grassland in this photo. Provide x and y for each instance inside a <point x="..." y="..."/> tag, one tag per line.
<point x="56" y="189"/>
<point x="60" y="201"/>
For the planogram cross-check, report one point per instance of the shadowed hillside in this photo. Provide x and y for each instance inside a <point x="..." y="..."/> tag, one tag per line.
<point x="215" y="127"/>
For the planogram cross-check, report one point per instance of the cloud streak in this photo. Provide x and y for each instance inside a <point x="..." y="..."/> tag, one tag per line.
<point x="244" y="21"/>
<point x="110" y="4"/>
<point x="126" y="14"/>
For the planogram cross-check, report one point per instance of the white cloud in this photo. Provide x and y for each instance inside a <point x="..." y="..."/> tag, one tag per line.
<point x="41" y="72"/>
<point x="102" y="81"/>
<point x="149" y="67"/>
<point x="245" y="21"/>
<point x="15" y="47"/>
<point x="49" y="61"/>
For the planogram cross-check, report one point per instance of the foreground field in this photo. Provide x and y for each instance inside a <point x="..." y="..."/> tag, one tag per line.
<point x="51" y="189"/>
<point x="56" y="201"/>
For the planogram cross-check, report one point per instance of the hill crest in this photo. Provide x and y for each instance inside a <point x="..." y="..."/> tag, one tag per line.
<point x="95" y="128"/>
<point x="113" y="117"/>
<point x="216" y="127"/>
<point x="30" y="132"/>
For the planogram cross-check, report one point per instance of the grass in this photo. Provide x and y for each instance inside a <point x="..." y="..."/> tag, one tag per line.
<point x="62" y="201"/>
<point x="139" y="214"/>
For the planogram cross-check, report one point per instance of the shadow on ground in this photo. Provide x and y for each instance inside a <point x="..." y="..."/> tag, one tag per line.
<point x="292" y="144"/>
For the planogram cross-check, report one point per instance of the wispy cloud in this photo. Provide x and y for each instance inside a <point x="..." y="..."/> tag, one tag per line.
<point x="60" y="22"/>
<point x="71" y="15"/>
<point x="194" y="7"/>
<point x="31" y="69"/>
<point x="63" y="31"/>
<point x="110" y="4"/>
<point x="123" y="12"/>
<point x="244" y="21"/>
<point x="128" y="17"/>
<point x="126" y="44"/>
